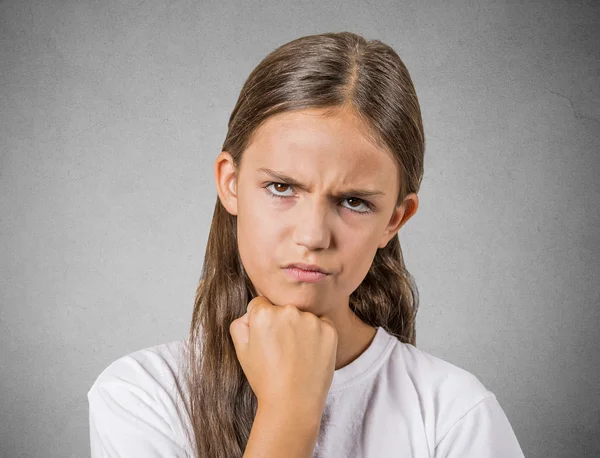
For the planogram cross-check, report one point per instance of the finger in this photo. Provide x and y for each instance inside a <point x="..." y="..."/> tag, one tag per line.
<point x="258" y="301"/>
<point x="240" y="334"/>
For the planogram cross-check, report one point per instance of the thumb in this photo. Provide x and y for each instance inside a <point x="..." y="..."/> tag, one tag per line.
<point x="240" y="332"/>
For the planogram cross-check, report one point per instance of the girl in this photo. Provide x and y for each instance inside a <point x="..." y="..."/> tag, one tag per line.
<point x="302" y="341"/>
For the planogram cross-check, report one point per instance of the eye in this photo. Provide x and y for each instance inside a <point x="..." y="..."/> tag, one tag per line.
<point x="368" y="205"/>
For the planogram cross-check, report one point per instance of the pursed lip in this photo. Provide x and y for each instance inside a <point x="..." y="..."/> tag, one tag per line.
<point x="309" y="267"/>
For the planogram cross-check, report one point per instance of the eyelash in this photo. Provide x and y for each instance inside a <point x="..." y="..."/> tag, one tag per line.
<point x="367" y="204"/>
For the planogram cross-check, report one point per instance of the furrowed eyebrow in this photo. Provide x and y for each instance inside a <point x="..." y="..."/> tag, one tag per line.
<point x="282" y="177"/>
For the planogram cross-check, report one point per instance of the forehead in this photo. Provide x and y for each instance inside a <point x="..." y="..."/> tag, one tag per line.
<point x="313" y="138"/>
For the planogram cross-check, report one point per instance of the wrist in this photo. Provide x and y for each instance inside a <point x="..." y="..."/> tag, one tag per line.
<point x="290" y="411"/>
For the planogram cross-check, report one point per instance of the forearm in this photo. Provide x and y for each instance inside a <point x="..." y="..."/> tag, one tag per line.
<point x="279" y="431"/>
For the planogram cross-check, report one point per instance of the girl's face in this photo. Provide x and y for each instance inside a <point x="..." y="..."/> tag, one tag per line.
<point x="322" y="219"/>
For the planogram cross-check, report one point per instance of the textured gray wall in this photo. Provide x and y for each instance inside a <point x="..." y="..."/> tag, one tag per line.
<point x="112" y="113"/>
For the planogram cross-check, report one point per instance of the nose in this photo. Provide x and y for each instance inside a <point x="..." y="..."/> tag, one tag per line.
<point x="312" y="225"/>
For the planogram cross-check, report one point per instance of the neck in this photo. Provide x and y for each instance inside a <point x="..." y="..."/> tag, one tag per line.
<point x="354" y="336"/>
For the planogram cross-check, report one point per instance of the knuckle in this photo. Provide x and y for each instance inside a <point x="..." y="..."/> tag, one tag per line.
<point x="288" y="308"/>
<point x="252" y="304"/>
<point x="261" y="314"/>
<point x="289" y="312"/>
<point x="314" y="321"/>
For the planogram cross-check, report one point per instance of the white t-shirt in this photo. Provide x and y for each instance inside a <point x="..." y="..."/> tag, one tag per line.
<point x="394" y="400"/>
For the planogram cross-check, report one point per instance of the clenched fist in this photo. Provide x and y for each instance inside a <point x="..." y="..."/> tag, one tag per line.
<point x="287" y="355"/>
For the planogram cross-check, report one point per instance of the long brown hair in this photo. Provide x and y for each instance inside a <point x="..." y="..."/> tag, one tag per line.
<point x="328" y="71"/>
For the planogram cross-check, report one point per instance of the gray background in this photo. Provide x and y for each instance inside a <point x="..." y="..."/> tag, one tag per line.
<point x="112" y="113"/>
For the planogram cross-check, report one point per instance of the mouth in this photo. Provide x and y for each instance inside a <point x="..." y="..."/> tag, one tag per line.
<point x="307" y="268"/>
<point x="305" y="276"/>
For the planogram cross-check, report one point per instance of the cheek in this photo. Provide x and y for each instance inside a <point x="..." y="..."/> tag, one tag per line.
<point x="358" y="258"/>
<point x="257" y="233"/>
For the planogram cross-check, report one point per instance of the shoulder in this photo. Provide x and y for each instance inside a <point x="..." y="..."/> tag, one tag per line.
<point x="447" y="392"/>
<point x="464" y="416"/>
<point x="141" y="396"/>
<point x="438" y="375"/>
<point x="155" y="369"/>
<point x="154" y="374"/>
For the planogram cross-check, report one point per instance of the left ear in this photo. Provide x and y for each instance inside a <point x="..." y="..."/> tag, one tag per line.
<point x="402" y="213"/>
